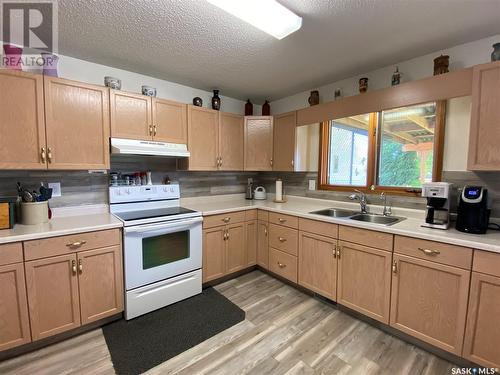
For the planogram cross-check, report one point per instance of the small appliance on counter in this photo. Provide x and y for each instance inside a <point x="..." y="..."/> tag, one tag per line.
<point x="260" y="193"/>
<point x="249" y="192"/>
<point x="474" y="208"/>
<point x="437" y="213"/>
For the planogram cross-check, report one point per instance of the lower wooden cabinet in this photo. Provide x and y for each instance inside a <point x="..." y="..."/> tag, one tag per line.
<point x="429" y="301"/>
<point x="263" y="244"/>
<point x="53" y="296"/>
<point x="317" y="263"/>
<point x="214" y="254"/>
<point x="225" y="248"/>
<point x="14" y="320"/>
<point x="100" y="282"/>
<point x="364" y="281"/>
<point x="251" y="242"/>
<point x="67" y="291"/>
<point x="482" y="335"/>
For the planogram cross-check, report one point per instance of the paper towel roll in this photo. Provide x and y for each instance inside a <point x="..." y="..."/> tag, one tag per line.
<point x="279" y="190"/>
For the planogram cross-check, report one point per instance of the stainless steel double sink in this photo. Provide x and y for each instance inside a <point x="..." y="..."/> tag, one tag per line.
<point x="359" y="216"/>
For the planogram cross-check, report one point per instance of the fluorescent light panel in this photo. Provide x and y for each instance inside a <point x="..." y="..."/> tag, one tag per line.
<point x="266" y="15"/>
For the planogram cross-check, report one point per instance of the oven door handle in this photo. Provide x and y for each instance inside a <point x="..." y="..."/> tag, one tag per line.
<point x="182" y="224"/>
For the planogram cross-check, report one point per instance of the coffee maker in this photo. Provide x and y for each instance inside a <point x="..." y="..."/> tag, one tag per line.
<point x="474" y="207"/>
<point x="437" y="213"/>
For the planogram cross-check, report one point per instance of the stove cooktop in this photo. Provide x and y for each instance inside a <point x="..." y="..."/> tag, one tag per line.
<point x="153" y="213"/>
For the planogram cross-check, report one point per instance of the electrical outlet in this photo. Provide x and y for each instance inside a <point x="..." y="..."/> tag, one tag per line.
<point x="56" y="188"/>
<point x="312" y="184"/>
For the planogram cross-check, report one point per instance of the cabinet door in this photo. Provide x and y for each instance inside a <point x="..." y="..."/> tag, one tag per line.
<point x="251" y="242"/>
<point x="169" y="121"/>
<point x="236" y="257"/>
<point x="77" y="123"/>
<point x="482" y="334"/>
<point x="262" y="244"/>
<point x="14" y="321"/>
<point x="203" y="135"/>
<point x="318" y="264"/>
<point x="22" y="121"/>
<point x="284" y="141"/>
<point x="231" y="138"/>
<point x="53" y="299"/>
<point x="429" y="301"/>
<point x="131" y="115"/>
<point x="214" y="253"/>
<point x="100" y="277"/>
<point x="484" y="139"/>
<point x="258" y="143"/>
<point x="364" y="280"/>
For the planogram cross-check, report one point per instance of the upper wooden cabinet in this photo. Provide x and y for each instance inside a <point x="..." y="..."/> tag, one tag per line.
<point x="22" y="121"/>
<point x="484" y="142"/>
<point x="77" y="124"/>
<point x="258" y="143"/>
<point x="131" y="115"/>
<point x="203" y="138"/>
<point x="284" y="141"/>
<point x="169" y="121"/>
<point x="231" y="139"/>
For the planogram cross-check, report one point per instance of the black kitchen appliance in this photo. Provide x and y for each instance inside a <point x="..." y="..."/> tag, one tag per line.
<point x="474" y="207"/>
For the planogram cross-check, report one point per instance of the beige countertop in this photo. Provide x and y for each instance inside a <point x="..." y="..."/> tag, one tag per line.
<point x="67" y="221"/>
<point x="300" y="206"/>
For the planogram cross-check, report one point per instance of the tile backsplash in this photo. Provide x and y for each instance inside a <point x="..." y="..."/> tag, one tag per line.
<point x="81" y="187"/>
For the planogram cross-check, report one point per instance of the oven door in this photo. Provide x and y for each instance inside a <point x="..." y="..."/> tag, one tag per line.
<point x="155" y="252"/>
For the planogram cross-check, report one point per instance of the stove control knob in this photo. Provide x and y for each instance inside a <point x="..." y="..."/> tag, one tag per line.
<point x="165" y="189"/>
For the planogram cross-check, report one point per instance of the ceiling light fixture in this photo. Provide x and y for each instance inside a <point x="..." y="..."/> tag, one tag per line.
<point x="266" y="15"/>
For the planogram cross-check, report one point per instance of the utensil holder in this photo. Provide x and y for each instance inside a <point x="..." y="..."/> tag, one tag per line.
<point x="33" y="213"/>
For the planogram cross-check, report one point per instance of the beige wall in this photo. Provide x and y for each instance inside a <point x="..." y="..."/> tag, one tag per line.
<point x="456" y="140"/>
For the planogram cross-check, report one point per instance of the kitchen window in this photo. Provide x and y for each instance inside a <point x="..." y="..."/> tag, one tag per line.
<point x="393" y="150"/>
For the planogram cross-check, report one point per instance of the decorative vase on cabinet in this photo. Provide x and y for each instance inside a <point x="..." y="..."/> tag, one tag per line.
<point x="266" y="109"/>
<point x="495" y="55"/>
<point x="216" y="100"/>
<point x="248" y="108"/>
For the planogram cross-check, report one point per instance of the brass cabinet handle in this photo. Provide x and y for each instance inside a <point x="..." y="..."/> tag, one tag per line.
<point x="150" y="129"/>
<point x="226" y="219"/>
<point x="292" y="163"/>
<point x="154" y="129"/>
<point x="226" y="235"/>
<point x="395" y="266"/>
<point x="80" y="266"/>
<point x="271" y="162"/>
<point x="334" y="251"/>
<point x="282" y="239"/>
<point x="281" y="265"/>
<point x="429" y="251"/>
<point x="43" y="155"/>
<point x="73" y="267"/>
<point x="49" y="154"/>
<point x="220" y="161"/>
<point x="76" y="244"/>
<point x="265" y="231"/>
<point x="282" y="220"/>
<point x="339" y="248"/>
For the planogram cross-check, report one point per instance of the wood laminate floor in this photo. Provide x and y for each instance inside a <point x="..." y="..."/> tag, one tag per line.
<point x="285" y="332"/>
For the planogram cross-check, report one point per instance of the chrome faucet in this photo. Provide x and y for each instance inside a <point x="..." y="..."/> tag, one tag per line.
<point x="387" y="210"/>
<point x="362" y="200"/>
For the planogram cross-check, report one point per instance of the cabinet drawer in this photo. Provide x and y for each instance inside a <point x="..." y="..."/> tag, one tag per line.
<point x="222" y="219"/>
<point x="283" y="264"/>
<point x="263" y="215"/>
<point x="366" y="237"/>
<point x="11" y="253"/>
<point x="434" y="251"/>
<point x="319" y="227"/>
<point x="48" y="247"/>
<point x="283" y="238"/>
<point x="286" y="220"/>
<point x="486" y="262"/>
<point x="250" y="215"/>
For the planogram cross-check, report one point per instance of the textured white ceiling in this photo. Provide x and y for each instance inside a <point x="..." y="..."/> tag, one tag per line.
<point x="196" y="44"/>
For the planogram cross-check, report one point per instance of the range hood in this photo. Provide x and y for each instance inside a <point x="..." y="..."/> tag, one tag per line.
<point x="136" y="147"/>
